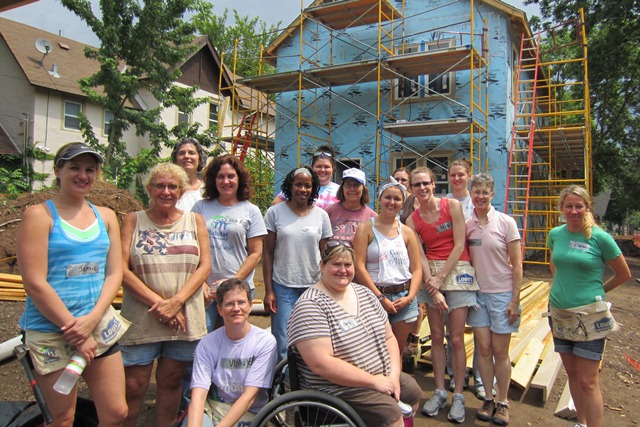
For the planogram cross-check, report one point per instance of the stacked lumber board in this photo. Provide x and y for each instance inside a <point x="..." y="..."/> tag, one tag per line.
<point x="11" y="289"/>
<point x="535" y="364"/>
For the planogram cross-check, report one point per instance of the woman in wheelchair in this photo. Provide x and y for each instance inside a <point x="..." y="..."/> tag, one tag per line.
<point x="237" y="360"/>
<point x="344" y="345"/>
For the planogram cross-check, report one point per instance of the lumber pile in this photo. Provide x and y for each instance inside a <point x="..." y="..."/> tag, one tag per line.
<point x="535" y="364"/>
<point x="11" y="289"/>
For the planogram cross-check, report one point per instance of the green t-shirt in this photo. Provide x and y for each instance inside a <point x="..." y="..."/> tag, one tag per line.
<point x="579" y="265"/>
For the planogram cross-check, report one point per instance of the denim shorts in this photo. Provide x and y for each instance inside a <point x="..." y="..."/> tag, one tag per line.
<point x="491" y="313"/>
<point x="145" y="354"/>
<point x="409" y="314"/>
<point x="455" y="299"/>
<point x="592" y="350"/>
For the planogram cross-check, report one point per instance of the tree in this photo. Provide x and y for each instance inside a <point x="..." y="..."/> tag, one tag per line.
<point x="252" y="35"/>
<point x="141" y="46"/>
<point x="613" y="29"/>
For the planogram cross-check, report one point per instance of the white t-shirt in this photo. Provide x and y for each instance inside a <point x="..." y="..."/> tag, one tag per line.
<point x="296" y="261"/>
<point x="232" y="365"/>
<point x="189" y="198"/>
<point x="467" y="204"/>
<point x="229" y="229"/>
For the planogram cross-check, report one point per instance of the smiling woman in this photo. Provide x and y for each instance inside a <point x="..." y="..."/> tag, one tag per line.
<point x="297" y="231"/>
<point x="166" y="256"/>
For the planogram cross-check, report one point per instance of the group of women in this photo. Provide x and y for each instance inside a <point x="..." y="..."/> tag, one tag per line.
<point x="342" y="283"/>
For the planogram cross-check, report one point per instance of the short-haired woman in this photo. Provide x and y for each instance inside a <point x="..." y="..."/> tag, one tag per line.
<point x="297" y="231"/>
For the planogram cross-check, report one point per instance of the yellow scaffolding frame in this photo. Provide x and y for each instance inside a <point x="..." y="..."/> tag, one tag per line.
<point x="551" y="134"/>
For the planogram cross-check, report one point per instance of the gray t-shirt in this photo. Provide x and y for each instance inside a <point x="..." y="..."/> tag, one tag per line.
<point x="229" y="229"/>
<point x="296" y="261"/>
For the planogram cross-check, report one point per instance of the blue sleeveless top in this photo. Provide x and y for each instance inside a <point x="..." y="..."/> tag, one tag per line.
<point x="75" y="270"/>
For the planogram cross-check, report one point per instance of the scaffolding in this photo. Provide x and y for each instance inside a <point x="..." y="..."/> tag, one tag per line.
<point x="384" y="59"/>
<point x="551" y="134"/>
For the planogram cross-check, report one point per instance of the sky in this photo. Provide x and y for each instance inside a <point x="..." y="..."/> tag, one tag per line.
<point x="51" y="16"/>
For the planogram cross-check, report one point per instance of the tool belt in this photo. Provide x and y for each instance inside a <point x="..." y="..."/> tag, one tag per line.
<point x="461" y="278"/>
<point x="585" y="323"/>
<point x="394" y="289"/>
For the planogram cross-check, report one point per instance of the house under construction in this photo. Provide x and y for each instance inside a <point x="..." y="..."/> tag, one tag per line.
<point x="423" y="82"/>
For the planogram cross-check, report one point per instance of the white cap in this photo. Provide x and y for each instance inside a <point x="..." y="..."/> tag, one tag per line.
<point x="356" y="174"/>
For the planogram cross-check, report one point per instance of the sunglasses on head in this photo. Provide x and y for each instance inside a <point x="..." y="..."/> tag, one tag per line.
<point x="333" y="243"/>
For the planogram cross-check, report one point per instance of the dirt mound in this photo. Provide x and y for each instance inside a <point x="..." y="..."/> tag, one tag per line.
<point x="103" y="194"/>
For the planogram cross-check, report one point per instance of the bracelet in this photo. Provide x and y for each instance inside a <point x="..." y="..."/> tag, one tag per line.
<point x="381" y="297"/>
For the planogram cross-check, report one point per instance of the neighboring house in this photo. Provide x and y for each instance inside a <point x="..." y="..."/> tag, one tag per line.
<point x="42" y="98"/>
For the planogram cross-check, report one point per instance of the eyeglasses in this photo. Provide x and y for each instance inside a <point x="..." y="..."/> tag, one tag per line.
<point x="161" y="186"/>
<point x="354" y="184"/>
<point x="421" y="184"/>
<point x="231" y="304"/>
<point x="333" y="243"/>
<point x="479" y="193"/>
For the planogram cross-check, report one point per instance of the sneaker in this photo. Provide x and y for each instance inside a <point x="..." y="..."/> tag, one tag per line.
<point x="480" y="393"/>
<point x="452" y="384"/>
<point x="501" y="416"/>
<point x="433" y="405"/>
<point x="456" y="412"/>
<point x="486" y="412"/>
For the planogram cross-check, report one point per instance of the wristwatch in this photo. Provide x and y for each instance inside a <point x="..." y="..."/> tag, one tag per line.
<point x="381" y="297"/>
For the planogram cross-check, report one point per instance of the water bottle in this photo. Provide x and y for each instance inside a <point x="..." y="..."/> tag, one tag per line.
<point x="70" y="375"/>
<point x="407" y="413"/>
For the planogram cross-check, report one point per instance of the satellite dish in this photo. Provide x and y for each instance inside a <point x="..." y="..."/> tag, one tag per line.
<point x="44" y="46"/>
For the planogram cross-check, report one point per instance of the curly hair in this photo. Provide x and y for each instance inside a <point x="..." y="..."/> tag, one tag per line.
<point x="287" y="184"/>
<point x="175" y="171"/>
<point x="211" y="173"/>
<point x="202" y="155"/>
<point x="483" y="179"/>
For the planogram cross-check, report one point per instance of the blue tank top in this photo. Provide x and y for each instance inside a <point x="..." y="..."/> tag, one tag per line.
<point x="75" y="271"/>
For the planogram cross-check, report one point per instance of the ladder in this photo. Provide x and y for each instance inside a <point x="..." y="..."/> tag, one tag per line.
<point x="519" y="170"/>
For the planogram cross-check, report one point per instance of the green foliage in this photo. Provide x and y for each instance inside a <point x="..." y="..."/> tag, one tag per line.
<point x="613" y="31"/>
<point x="14" y="178"/>
<point x="252" y="35"/>
<point x="262" y="177"/>
<point x="141" y="46"/>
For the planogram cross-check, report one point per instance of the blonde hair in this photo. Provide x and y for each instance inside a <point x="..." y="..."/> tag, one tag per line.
<point x="175" y="171"/>
<point x="588" y="222"/>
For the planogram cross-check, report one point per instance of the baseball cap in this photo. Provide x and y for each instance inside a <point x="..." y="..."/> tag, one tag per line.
<point x="75" y="150"/>
<point x="356" y="174"/>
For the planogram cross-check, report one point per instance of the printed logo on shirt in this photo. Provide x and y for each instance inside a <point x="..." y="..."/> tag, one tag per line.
<point x="348" y="324"/>
<point x="579" y="245"/>
<point x="474" y="242"/>
<point x="444" y="227"/>
<point x="311" y="230"/>
<point x="82" y="269"/>
<point x="236" y="363"/>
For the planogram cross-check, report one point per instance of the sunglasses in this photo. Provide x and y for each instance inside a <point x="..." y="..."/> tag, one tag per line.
<point x="421" y="184"/>
<point x="333" y="243"/>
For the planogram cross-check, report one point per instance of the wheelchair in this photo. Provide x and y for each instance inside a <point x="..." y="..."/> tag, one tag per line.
<point x="290" y="406"/>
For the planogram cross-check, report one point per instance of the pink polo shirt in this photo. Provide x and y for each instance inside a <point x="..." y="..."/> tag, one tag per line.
<point x="489" y="252"/>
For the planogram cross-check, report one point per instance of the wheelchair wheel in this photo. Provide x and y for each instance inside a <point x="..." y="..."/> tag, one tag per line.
<point x="307" y="408"/>
<point x="280" y="384"/>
